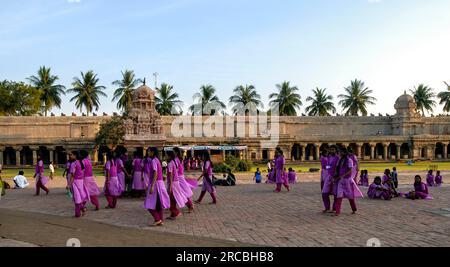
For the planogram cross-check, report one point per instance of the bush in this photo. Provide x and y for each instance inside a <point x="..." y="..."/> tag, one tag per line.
<point x="243" y="166"/>
<point x="221" y="168"/>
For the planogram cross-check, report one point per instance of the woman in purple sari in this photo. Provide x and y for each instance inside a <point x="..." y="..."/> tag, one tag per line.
<point x="281" y="179"/>
<point x="345" y="184"/>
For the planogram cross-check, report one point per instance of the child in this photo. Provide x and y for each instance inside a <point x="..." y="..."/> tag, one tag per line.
<point x="112" y="184"/>
<point x="187" y="185"/>
<point x="157" y="199"/>
<point x="430" y="178"/>
<point x="378" y="191"/>
<point x="207" y="180"/>
<point x="345" y="183"/>
<point x="387" y="175"/>
<point x="438" y="180"/>
<point x="176" y="194"/>
<point x="420" y="190"/>
<point x="41" y="180"/>
<point x="292" y="176"/>
<point x="389" y="184"/>
<point x="89" y="180"/>
<point x="52" y="170"/>
<point x="394" y="176"/>
<point x="257" y="177"/>
<point x="279" y="170"/>
<point x="80" y="192"/>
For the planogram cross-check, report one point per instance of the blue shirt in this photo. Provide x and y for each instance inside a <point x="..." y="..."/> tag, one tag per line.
<point x="258" y="177"/>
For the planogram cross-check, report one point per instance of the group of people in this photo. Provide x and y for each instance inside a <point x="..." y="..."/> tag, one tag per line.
<point x="147" y="176"/>
<point x="278" y="173"/>
<point x="434" y="181"/>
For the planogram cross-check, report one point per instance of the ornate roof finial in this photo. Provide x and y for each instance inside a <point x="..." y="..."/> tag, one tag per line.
<point x="144" y="81"/>
<point x="405" y="92"/>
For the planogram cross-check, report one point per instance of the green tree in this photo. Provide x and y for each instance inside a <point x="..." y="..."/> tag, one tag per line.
<point x="51" y="93"/>
<point x="287" y="99"/>
<point x="111" y="133"/>
<point x="445" y="98"/>
<point x="321" y="104"/>
<point x="87" y="92"/>
<point x="423" y="95"/>
<point x="124" y="93"/>
<point x="19" y="99"/>
<point x="208" y="102"/>
<point x="167" y="102"/>
<point x="356" y="99"/>
<point x="245" y="97"/>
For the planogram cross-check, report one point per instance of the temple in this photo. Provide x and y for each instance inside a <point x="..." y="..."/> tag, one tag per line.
<point x="403" y="136"/>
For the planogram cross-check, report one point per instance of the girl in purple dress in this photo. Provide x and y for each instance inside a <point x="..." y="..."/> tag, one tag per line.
<point x="208" y="184"/>
<point x="345" y="184"/>
<point x="41" y="180"/>
<point x="157" y="199"/>
<point x="438" y="180"/>
<point x="79" y="190"/>
<point x="121" y="172"/>
<point x="324" y="171"/>
<point x="430" y="178"/>
<point x="366" y="178"/>
<point x="279" y="171"/>
<point x="176" y="194"/>
<point x="420" y="190"/>
<point x="89" y="180"/>
<point x="292" y="176"/>
<point x="354" y="159"/>
<point x="112" y="186"/>
<point x="386" y="176"/>
<point x="186" y="186"/>
<point x="329" y="187"/>
<point x="378" y="191"/>
<point x="139" y="184"/>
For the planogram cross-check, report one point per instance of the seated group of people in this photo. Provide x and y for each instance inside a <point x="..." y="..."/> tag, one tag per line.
<point x="289" y="174"/>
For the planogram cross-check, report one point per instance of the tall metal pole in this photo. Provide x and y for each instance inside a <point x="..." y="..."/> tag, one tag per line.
<point x="156" y="79"/>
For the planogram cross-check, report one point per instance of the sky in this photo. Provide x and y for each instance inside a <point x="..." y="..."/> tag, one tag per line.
<point x="392" y="45"/>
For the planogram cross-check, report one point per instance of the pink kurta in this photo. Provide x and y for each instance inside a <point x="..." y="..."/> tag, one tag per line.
<point x="79" y="190"/>
<point x="178" y="194"/>
<point x="430" y="180"/>
<point x="329" y="187"/>
<point x="138" y="181"/>
<point x="279" y="168"/>
<point x="159" y="191"/>
<point x="185" y="186"/>
<point x="355" y="169"/>
<point x="292" y="177"/>
<point x="324" y="171"/>
<point x="112" y="187"/>
<point x="120" y="174"/>
<point x="377" y="191"/>
<point x="207" y="186"/>
<point x="89" y="179"/>
<point x="346" y="186"/>
<point x="39" y="171"/>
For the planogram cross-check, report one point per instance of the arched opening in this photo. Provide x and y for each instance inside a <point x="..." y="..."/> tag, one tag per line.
<point x="379" y="150"/>
<point x="296" y="152"/>
<point x="439" y="151"/>
<point x="392" y="151"/>
<point x="405" y="152"/>
<point x="309" y="152"/>
<point x="9" y="156"/>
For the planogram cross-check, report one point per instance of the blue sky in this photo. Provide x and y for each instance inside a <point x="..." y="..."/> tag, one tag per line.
<point x="392" y="45"/>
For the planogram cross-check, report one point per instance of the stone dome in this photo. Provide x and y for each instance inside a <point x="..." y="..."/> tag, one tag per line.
<point x="143" y="92"/>
<point x="405" y="105"/>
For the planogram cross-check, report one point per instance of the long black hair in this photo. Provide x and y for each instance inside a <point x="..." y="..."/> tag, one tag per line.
<point x="84" y="154"/>
<point x="172" y="156"/>
<point x="110" y="157"/>
<point x="342" y="161"/>
<point x="206" y="158"/>
<point x="155" y="152"/>
<point x="78" y="156"/>
<point x="177" y="152"/>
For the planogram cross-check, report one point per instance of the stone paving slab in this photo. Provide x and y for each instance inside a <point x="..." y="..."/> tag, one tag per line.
<point x="254" y="214"/>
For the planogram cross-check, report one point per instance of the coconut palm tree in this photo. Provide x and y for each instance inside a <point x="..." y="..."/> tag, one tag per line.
<point x="356" y="99"/>
<point x="51" y="93"/>
<point x="208" y="102"/>
<point x="87" y="92"/>
<point x="321" y="104"/>
<point x="245" y="97"/>
<point x="423" y="95"/>
<point x="287" y="99"/>
<point x="124" y="92"/>
<point x="445" y="98"/>
<point x="167" y="102"/>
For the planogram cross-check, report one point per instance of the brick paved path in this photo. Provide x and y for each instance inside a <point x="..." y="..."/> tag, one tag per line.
<point x="254" y="214"/>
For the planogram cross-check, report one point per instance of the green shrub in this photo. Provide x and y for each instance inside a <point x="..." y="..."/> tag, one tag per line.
<point x="221" y="168"/>
<point x="243" y="166"/>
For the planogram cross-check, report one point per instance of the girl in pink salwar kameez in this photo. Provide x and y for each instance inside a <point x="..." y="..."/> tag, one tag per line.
<point x="279" y="169"/>
<point x="323" y="171"/>
<point x="112" y="186"/>
<point x="176" y="194"/>
<point x="186" y="186"/>
<point x="41" y="180"/>
<point x="329" y="186"/>
<point x="89" y="180"/>
<point x="208" y="185"/>
<point x="79" y="190"/>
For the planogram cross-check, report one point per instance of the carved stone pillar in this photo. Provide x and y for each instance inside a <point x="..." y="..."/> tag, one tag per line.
<point x="303" y="149"/>
<point x="317" y="151"/>
<point x="358" y="150"/>
<point x="35" y="149"/>
<point x="385" y="151"/>
<point x="2" y="149"/>
<point x="51" y="151"/>
<point x="372" y="151"/>
<point x="18" y="149"/>
<point x="445" y="150"/>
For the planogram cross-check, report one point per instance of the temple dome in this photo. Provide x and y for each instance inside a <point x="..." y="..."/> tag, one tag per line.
<point x="143" y="92"/>
<point x="405" y="105"/>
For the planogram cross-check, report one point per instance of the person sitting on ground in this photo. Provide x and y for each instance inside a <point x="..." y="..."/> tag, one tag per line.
<point x="229" y="179"/>
<point x="378" y="191"/>
<point x="292" y="176"/>
<point x="257" y="178"/>
<point x="420" y="190"/>
<point x="389" y="184"/>
<point x="20" y="181"/>
<point x="439" y="180"/>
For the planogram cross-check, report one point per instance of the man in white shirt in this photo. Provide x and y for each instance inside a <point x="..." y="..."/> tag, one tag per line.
<point x="52" y="170"/>
<point x="20" y="181"/>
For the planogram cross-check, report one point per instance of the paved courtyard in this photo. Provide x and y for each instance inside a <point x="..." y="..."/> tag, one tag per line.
<point x="253" y="214"/>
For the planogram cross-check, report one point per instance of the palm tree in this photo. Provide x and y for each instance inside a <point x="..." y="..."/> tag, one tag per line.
<point x="423" y="95"/>
<point x="321" y="103"/>
<point x="208" y="102"/>
<point x="357" y="98"/>
<point x="445" y="98"/>
<point x="87" y="92"/>
<point x="245" y="97"/>
<point x="50" y="92"/>
<point x="167" y="102"/>
<point x="124" y="92"/>
<point x="287" y="100"/>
